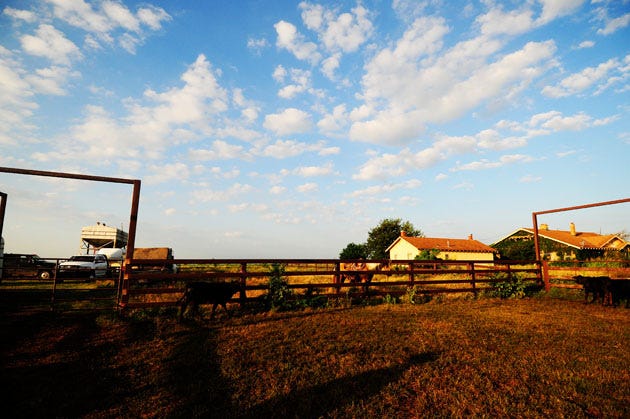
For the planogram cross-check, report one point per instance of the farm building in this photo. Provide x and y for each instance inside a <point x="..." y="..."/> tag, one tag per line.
<point x="407" y="248"/>
<point x="566" y="244"/>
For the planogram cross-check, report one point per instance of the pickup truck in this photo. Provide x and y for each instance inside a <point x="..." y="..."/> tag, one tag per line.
<point x="17" y="265"/>
<point x="84" y="266"/>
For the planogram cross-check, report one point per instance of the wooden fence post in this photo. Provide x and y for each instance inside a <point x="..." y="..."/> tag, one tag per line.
<point x="337" y="277"/>
<point x="545" y="274"/>
<point x="243" y="293"/>
<point x="471" y="266"/>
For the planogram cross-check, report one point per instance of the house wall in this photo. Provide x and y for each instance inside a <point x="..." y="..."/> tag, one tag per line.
<point x="403" y="250"/>
<point x="466" y="256"/>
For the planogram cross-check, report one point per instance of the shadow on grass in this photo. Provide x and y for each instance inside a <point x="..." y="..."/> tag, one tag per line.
<point x="321" y="399"/>
<point x="195" y="379"/>
<point x="53" y="368"/>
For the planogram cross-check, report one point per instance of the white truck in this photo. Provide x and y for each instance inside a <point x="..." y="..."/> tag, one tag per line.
<point x="115" y="257"/>
<point x="84" y="266"/>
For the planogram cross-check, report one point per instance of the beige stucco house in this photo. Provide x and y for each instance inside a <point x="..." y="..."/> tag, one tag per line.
<point x="566" y="244"/>
<point x="407" y="248"/>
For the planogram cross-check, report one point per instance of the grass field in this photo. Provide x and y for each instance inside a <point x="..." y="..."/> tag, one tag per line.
<point x="451" y="357"/>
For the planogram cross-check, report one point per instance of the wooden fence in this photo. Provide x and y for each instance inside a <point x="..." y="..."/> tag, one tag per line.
<point x="560" y="274"/>
<point x="142" y="288"/>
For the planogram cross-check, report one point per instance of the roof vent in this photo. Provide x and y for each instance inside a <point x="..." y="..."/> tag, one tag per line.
<point x="572" y="229"/>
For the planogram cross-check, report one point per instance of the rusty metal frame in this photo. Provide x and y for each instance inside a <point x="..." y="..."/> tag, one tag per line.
<point x="577" y="207"/>
<point x="133" y="217"/>
<point x="3" y="207"/>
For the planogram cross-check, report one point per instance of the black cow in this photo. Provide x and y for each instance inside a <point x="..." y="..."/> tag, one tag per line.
<point x="619" y="289"/>
<point x="596" y="285"/>
<point x="215" y="293"/>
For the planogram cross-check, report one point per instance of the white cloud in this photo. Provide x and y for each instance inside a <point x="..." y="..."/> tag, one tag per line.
<point x="279" y="73"/>
<point x="330" y="65"/>
<point x="387" y="188"/>
<point x="120" y="15"/>
<point x="289" y="121"/>
<point x="504" y="135"/>
<point x="553" y="9"/>
<point x="499" y="22"/>
<point x="613" y="25"/>
<point x="257" y="45"/>
<point x="307" y="187"/>
<point x="578" y="82"/>
<point x="310" y="171"/>
<point x="153" y="16"/>
<point x="586" y="44"/>
<point x="213" y="195"/>
<point x="496" y="21"/>
<point x="410" y="85"/>
<point x="277" y="190"/>
<point x="50" y="80"/>
<point x="24" y="15"/>
<point x="219" y="150"/>
<point x="282" y="149"/>
<point x="530" y="179"/>
<point x="485" y="164"/>
<point x="50" y="43"/>
<point x="328" y="151"/>
<point x="112" y="17"/>
<point x="301" y="82"/>
<point x="345" y="32"/>
<point x="155" y="122"/>
<point x="167" y="172"/>
<point x="294" y="42"/>
<point x="334" y="121"/>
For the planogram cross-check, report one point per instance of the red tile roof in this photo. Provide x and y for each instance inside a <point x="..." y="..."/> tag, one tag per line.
<point x="450" y="245"/>
<point x="581" y="240"/>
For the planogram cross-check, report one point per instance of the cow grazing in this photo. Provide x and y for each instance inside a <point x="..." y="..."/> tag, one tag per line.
<point x="598" y="286"/>
<point x="215" y="293"/>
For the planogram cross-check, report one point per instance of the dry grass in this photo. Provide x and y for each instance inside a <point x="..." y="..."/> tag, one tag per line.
<point x="538" y="357"/>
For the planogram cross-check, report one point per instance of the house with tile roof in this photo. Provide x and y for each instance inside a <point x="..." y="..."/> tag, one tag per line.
<point x="407" y="248"/>
<point x="567" y="244"/>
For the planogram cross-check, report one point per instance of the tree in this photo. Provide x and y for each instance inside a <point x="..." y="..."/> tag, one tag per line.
<point x="384" y="234"/>
<point x="354" y="251"/>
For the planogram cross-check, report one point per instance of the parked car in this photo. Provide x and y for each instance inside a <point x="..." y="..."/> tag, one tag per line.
<point x="84" y="266"/>
<point x="18" y="265"/>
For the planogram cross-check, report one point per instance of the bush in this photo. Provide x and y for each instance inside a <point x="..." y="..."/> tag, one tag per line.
<point x="279" y="295"/>
<point x="509" y="288"/>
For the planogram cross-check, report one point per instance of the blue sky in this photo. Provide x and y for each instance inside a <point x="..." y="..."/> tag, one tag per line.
<point x="288" y="129"/>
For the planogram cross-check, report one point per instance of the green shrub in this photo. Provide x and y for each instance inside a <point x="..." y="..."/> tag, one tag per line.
<point x="509" y="288"/>
<point x="279" y="296"/>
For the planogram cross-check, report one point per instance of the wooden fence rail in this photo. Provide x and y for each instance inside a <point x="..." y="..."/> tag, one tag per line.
<point x="143" y="288"/>
<point x="560" y="274"/>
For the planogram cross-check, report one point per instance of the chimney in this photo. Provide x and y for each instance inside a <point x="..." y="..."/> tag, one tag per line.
<point x="572" y="229"/>
<point x="544" y="226"/>
<point x="470" y="237"/>
<point x="403" y="234"/>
